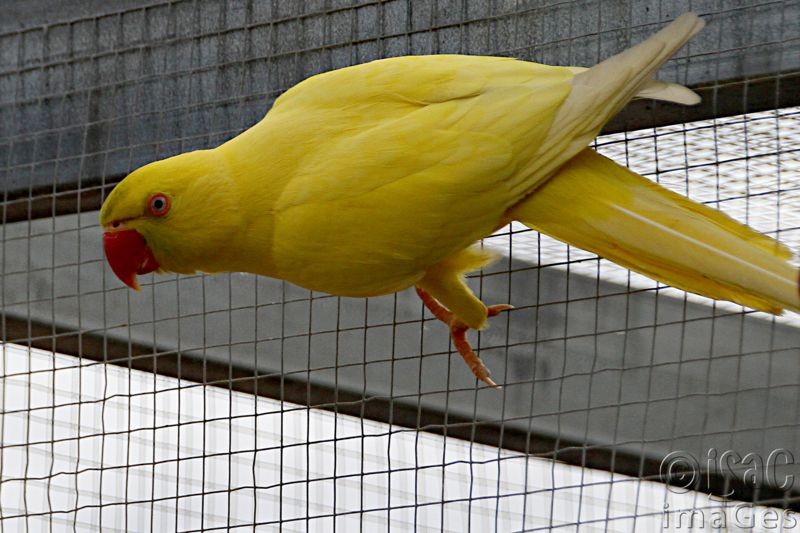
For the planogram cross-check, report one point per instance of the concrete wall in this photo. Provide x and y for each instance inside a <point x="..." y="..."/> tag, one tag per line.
<point x="89" y="97"/>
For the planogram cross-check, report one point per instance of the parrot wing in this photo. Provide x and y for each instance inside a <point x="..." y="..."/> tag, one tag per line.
<point x="387" y="215"/>
<point x="400" y="163"/>
<point x="356" y="129"/>
<point x="409" y="80"/>
<point x="395" y="164"/>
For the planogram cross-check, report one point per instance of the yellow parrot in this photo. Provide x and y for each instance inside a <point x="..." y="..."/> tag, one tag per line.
<point x="378" y="177"/>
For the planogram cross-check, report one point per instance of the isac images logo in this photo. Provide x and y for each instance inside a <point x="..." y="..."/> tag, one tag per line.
<point x="733" y="476"/>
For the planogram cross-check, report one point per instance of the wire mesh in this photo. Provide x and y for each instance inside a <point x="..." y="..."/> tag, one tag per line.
<point x="229" y="401"/>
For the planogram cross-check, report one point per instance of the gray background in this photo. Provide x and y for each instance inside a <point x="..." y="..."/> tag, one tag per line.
<point x="99" y="95"/>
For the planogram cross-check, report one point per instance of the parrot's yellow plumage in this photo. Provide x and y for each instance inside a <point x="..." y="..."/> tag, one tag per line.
<point x="378" y="177"/>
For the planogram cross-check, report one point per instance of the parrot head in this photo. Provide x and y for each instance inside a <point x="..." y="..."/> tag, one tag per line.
<point x="174" y="215"/>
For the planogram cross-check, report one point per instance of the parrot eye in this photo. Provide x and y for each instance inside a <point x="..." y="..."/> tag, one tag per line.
<point x="158" y="205"/>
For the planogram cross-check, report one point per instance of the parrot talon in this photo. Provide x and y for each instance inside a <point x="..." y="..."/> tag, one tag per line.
<point x="458" y="333"/>
<point x="494" y="310"/>
<point x="438" y="310"/>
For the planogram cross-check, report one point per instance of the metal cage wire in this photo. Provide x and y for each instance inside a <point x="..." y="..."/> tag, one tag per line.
<point x="230" y="401"/>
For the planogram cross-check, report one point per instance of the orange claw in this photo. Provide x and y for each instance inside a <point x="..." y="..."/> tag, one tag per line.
<point x="458" y="333"/>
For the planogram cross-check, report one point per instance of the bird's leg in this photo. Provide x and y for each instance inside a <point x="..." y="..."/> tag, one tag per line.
<point x="458" y="332"/>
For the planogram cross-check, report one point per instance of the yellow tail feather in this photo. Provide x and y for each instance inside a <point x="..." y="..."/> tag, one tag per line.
<point x="600" y="206"/>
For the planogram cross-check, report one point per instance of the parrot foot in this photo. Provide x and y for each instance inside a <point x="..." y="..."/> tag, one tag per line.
<point x="458" y="333"/>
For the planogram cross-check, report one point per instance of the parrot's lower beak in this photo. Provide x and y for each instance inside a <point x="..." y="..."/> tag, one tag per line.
<point x="128" y="255"/>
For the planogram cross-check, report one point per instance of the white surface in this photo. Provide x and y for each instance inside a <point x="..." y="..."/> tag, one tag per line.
<point x="132" y="451"/>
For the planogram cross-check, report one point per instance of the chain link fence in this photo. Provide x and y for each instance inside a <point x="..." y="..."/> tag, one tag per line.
<point x="222" y="402"/>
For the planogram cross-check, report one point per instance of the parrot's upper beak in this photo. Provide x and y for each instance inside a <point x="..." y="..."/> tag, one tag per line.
<point x="128" y="255"/>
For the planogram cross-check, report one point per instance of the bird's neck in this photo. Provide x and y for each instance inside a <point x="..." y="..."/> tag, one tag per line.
<point x="259" y="172"/>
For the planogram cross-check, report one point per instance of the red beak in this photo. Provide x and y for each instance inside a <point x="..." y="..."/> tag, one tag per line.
<point x="128" y="254"/>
